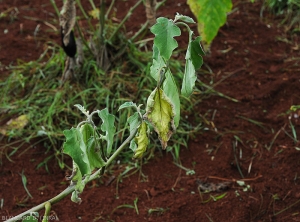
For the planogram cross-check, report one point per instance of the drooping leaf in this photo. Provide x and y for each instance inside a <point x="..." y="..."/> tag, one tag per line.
<point x="133" y="145"/>
<point x="142" y="141"/>
<point x="171" y="90"/>
<point x="193" y="61"/>
<point x="94" y="157"/>
<point x="134" y="122"/>
<point x="108" y="121"/>
<point x="184" y="18"/>
<point x="77" y="178"/>
<point x="165" y="30"/>
<point x="160" y="114"/>
<point x="80" y="146"/>
<point x="189" y="78"/>
<point x="196" y="53"/>
<point x="127" y="105"/>
<point x="82" y="109"/>
<point x="169" y="86"/>
<point x="211" y="15"/>
<point x="24" y="181"/>
<point x="157" y="64"/>
<point x="76" y="149"/>
<point x="79" y="183"/>
<point x="75" y="197"/>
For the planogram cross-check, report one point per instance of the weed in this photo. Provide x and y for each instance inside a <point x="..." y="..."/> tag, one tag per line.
<point x="158" y="210"/>
<point x="24" y="182"/>
<point x="290" y="10"/>
<point x="134" y="206"/>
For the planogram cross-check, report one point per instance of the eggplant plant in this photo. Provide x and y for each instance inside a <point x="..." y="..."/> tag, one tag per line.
<point x="90" y="145"/>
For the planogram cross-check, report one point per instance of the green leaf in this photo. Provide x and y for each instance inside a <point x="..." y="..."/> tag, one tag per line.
<point x="82" y="109"/>
<point x="95" y="159"/>
<point x="157" y="64"/>
<point x="108" y="127"/>
<point x="77" y="179"/>
<point x="211" y="15"/>
<point x="75" y="197"/>
<point x="134" y="122"/>
<point x="193" y="61"/>
<point x="24" y="181"/>
<point x="165" y="30"/>
<point x="133" y="145"/>
<point x="76" y="149"/>
<point x="160" y="114"/>
<point x="184" y="18"/>
<point x="141" y="140"/>
<point x="196" y="53"/>
<point x="189" y="79"/>
<point x="80" y="146"/>
<point x="127" y="105"/>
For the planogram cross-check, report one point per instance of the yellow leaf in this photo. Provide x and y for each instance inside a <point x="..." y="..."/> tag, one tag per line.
<point x="94" y="13"/>
<point x="17" y="124"/>
<point x="160" y="114"/>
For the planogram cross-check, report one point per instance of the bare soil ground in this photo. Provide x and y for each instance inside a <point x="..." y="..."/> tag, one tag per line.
<point x="252" y="60"/>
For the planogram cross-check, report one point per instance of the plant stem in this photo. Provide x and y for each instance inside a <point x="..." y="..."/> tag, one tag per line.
<point x="55" y="7"/>
<point x="93" y="5"/>
<point x="85" y="15"/>
<point x="125" y="19"/>
<point x="71" y="188"/>
<point x="82" y="38"/>
<point x="109" y="9"/>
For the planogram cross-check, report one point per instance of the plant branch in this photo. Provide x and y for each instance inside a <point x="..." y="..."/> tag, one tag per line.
<point x="72" y="187"/>
<point x="109" y="9"/>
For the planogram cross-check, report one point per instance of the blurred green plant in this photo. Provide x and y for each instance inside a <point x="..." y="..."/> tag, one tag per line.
<point x="210" y="15"/>
<point x="289" y="9"/>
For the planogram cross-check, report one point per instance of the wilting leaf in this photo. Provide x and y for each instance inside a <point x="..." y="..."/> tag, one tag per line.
<point x="75" y="197"/>
<point x="76" y="149"/>
<point x="108" y="121"/>
<point x="94" y="157"/>
<point x="193" y="61"/>
<point x="141" y="140"/>
<point x="196" y="53"/>
<point x="171" y="90"/>
<point x="134" y="122"/>
<point x="184" y="18"/>
<point x="169" y="86"/>
<point x="127" y="105"/>
<point x="157" y="64"/>
<point x="165" y="30"/>
<point x="82" y="109"/>
<point x="160" y="114"/>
